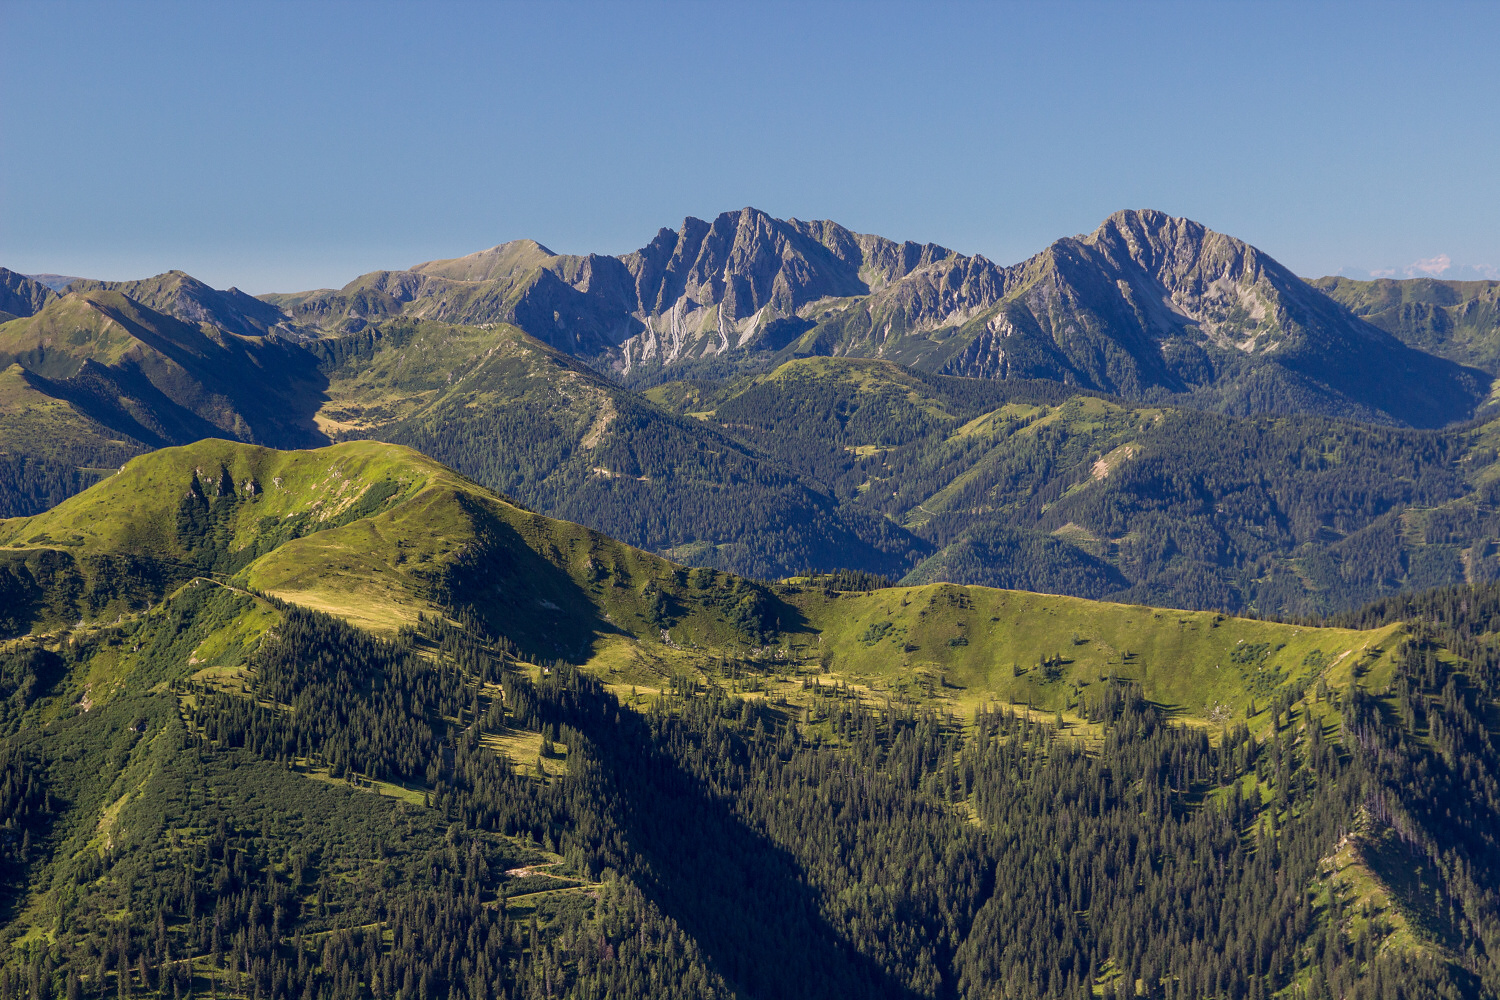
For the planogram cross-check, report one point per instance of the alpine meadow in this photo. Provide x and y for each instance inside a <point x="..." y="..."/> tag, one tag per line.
<point x="772" y="611"/>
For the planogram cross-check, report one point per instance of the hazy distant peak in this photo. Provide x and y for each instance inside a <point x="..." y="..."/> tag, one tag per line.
<point x="1439" y="267"/>
<point x="56" y="282"/>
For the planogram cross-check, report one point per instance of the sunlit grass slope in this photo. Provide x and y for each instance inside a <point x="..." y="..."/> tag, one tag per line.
<point x="378" y="534"/>
<point x="976" y="645"/>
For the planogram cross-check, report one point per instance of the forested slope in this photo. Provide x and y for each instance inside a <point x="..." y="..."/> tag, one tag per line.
<point x="1032" y="485"/>
<point x="563" y="767"/>
<point x="529" y="422"/>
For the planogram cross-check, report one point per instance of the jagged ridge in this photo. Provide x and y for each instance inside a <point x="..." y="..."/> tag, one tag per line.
<point x="1147" y="306"/>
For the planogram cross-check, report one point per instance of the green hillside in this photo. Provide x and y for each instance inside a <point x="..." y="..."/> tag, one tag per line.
<point x="49" y="449"/>
<point x="514" y="738"/>
<point x="372" y="532"/>
<point x="969" y="646"/>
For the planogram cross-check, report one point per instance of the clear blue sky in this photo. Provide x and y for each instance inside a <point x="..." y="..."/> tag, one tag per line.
<point x="287" y="146"/>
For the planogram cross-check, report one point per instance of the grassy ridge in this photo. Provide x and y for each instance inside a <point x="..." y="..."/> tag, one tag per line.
<point x="378" y="534"/>
<point x="977" y="645"/>
<point x="136" y="509"/>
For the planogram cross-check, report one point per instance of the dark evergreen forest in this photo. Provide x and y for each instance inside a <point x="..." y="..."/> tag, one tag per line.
<point x="336" y="823"/>
<point x="1035" y="486"/>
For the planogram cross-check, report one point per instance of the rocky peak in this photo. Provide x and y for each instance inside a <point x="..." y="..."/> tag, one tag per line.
<point x="22" y="296"/>
<point x="744" y="261"/>
<point x="1160" y="277"/>
<point x="1174" y="250"/>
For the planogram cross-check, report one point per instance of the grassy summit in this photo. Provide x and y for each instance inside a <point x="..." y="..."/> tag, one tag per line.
<point x="375" y="533"/>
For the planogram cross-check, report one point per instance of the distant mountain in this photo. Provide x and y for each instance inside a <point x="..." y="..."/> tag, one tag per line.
<point x="706" y="289"/>
<point x="183" y="296"/>
<point x="1156" y="308"/>
<point x="56" y="282"/>
<point x="159" y="380"/>
<point x="1148" y="306"/>
<point x="1457" y="320"/>
<point x="21" y="296"/>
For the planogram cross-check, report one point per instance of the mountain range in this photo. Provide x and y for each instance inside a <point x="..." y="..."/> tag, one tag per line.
<point x="801" y="408"/>
<point x="1147" y="306"/>
<point x="773" y="612"/>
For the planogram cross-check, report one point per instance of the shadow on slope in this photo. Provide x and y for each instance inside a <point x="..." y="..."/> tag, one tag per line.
<point x="530" y="600"/>
<point x="741" y="897"/>
<point x="166" y="381"/>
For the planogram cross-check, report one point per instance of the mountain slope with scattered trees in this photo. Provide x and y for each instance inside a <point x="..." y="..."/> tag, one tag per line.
<point x="209" y="790"/>
<point x="1033" y="485"/>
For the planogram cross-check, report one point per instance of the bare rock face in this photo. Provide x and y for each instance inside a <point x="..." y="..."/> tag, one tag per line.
<point x="1146" y="306"/>
<point x="1152" y="306"/>
<point x="707" y="288"/>
<point x="712" y="288"/>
